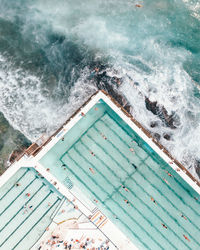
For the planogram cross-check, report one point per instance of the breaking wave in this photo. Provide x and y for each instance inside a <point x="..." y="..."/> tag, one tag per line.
<point x="49" y="50"/>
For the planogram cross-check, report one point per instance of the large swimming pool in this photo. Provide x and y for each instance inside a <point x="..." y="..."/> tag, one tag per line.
<point x="134" y="187"/>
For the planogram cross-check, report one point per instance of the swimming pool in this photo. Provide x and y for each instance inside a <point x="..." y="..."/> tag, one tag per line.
<point x="134" y="187"/>
<point x="27" y="204"/>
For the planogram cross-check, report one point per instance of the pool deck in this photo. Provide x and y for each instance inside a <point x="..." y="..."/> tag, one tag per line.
<point x="118" y="239"/>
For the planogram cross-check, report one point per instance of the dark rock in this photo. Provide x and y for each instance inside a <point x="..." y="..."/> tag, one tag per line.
<point x="197" y="167"/>
<point x="110" y="85"/>
<point x="156" y="136"/>
<point x="161" y="112"/>
<point x="153" y="124"/>
<point x="167" y="137"/>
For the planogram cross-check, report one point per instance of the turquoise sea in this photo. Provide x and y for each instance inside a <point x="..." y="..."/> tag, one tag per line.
<point x="49" y="50"/>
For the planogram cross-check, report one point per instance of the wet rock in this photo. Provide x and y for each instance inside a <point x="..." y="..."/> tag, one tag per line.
<point x="11" y="140"/>
<point x="161" y="112"/>
<point x="167" y="137"/>
<point x="156" y="136"/>
<point x="111" y="84"/>
<point x="153" y="124"/>
<point x="15" y="154"/>
<point x="197" y="167"/>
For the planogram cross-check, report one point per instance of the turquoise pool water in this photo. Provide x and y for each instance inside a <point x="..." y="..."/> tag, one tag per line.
<point x="24" y="218"/>
<point x="100" y="154"/>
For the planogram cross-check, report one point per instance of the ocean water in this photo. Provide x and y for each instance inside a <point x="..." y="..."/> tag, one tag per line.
<point x="49" y="49"/>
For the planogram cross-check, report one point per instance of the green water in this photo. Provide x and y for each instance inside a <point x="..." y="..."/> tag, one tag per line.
<point x="22" y="226"/>
<point x="105" y="135"/>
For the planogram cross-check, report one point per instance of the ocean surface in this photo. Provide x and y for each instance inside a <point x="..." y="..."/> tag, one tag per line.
<point x="49" y="50"/>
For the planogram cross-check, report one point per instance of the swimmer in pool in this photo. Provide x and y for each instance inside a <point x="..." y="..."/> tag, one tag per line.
<point x="164" y="225"/>
<point x="127" y="202"/>
<point x="152" y="199"/>
<point x="165" y="181"/>
<point x="186" y="237"/>
<point x="92" y="170"/>
<point x="126" y="189"/>
<point x="168" y="173"/>
<point x="92" y="153"/>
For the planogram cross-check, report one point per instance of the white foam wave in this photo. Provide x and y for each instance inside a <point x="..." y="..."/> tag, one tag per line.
<point x="173" y="88"/>
<point x="28" y="110"/>
<point x="138" y="52"/>
<point x="194" y="7"/>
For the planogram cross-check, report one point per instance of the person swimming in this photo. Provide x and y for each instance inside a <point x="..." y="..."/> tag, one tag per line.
<point x="165" y="181"/>
<point x="168" y="173"/>
<point x="126" y="189"/>
<point x="92" y="153"/>
<point x="92" y="170"/>
<point x="184" y="217"/>
<point x="164" y="225"/>
<point x="152" y="199"/>
<point x="134" y="165"/>
<point x="127" y="202"/>
<point x="186" y="237"/>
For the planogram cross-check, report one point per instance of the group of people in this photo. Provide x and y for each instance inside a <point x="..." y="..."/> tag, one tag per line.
<point x="89" y="244"/>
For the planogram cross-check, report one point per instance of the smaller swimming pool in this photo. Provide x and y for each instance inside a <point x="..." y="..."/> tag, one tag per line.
<point x="27" y="203"/>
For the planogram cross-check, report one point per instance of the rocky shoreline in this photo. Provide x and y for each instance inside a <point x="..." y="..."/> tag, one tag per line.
<point x="12" y="143"/>
<point x="169" y="120"/>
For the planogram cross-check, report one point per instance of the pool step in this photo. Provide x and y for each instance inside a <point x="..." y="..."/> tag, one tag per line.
<point x="58" y="208"/>
<point x="68" y="183"/>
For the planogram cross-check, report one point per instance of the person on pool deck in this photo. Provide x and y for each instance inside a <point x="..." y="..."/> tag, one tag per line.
<point x="63" y="139"/>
